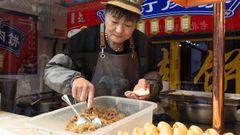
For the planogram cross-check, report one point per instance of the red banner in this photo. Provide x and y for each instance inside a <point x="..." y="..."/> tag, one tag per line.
<point x="91" y="13"/>
<point x="85" y="14"/>
<point x="198" y="24"/>
<point x="18" y="43"/>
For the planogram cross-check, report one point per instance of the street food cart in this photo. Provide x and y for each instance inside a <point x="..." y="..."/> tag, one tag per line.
<point x="215" y="101"/>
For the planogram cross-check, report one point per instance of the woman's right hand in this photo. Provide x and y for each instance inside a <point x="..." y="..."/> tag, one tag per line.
<point x="83" y="89"/>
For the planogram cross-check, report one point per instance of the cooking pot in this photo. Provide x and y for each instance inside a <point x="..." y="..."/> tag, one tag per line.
<point x="47" y="102"/>
<point x="202" y="113"/>
<point x="47" y="105"/>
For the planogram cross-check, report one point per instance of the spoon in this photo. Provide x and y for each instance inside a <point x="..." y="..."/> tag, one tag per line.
<point x="81" y="120"/>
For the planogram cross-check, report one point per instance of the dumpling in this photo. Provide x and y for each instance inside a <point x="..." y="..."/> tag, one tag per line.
<point x="179" y="129"/>
<point x="150" y="129"/>
<point x="164" y="128"/>
<point x="211" y="131"/>
<point x="138" y="131"/>
<point x="195" y="130"/>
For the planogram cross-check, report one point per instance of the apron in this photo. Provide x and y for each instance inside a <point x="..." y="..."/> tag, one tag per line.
<point x="115" y="74"/>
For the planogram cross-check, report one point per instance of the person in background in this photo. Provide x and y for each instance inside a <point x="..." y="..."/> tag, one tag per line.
<point x="108" y="59"/>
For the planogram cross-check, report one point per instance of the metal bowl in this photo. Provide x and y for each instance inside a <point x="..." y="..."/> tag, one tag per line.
<point x="202" y="113"/>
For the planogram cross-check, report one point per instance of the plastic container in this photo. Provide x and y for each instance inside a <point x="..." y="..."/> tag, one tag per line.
<point x="138" y="113"/>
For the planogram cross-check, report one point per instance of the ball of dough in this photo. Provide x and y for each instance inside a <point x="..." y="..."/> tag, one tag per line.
<point x="150" y="129"/>
<point x="196" y="130"/>
<point x="211" y="131"/>
<point x="141" y="92"/>
<point x="164" y="128"/>
<point x="179" y="129"/>
<point x="138" y="131"/>
<point x="180" y="125"/>
<point x="163" y="125"/>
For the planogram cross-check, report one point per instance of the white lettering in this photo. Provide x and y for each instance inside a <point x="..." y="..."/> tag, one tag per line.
<point x="80" y="17"/>
<point x="149" y="6"/>
<point x="170" y="5"/>
<point x="13" y="40"/>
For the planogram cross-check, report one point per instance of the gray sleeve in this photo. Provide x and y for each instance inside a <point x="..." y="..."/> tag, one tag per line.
<point x="58" y="73"/>
<point x="155" y="81"/>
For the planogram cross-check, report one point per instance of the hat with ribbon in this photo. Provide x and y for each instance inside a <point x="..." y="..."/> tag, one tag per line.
<point x="130" y="5"/>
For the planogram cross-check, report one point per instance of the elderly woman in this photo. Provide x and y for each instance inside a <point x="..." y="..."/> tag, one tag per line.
<point x="108" y="59"/>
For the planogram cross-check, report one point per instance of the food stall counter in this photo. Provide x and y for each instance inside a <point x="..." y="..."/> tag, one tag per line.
<point x="14" y="124"/>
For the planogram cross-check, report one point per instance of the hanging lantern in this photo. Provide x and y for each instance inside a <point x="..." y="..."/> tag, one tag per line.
<point x="192" y="3"/>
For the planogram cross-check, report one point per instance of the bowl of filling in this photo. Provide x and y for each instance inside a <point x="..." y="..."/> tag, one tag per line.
<point x="115" y="113"/>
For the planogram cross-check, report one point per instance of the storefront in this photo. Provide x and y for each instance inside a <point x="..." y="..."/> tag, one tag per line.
<point x="181" y="38"/>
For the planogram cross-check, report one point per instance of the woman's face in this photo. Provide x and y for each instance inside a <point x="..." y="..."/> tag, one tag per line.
<point x="118" y="30"/>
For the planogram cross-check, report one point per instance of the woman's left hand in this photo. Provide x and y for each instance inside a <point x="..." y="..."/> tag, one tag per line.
<point x="143" y="85"/>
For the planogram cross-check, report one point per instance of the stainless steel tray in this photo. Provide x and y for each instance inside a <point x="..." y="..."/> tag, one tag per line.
<point x="198" y="97"/>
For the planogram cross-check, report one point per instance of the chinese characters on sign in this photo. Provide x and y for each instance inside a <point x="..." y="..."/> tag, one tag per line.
<point x="11" y="38"/>
<point x="161" y="8"/>
<point x="18" y="44"/>
<point x="232" y="70"/>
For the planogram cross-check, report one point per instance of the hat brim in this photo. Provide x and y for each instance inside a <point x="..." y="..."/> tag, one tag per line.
<point x="124" y="6"/>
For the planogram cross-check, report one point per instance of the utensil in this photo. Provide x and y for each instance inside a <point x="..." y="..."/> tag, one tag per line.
<point x="81" y="120"/>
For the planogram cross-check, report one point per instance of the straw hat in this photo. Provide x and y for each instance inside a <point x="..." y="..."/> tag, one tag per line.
<point x="130" y="5"/>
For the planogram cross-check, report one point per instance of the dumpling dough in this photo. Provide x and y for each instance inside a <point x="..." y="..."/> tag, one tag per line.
<point x="141" y="92"/>
<point x="179" y="129"/>
<point x="194" y="130"/>
<point x="138" y="131"/>
<point x="211" y="131"/>
<point x="150" y="129"/>
<point x="164" y="128"/>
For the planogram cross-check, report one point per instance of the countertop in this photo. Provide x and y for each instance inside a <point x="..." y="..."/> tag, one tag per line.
<point x="13" y="124"/>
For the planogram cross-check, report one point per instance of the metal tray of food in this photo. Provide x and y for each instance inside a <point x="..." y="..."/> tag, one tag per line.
<point x="198" y="97"/>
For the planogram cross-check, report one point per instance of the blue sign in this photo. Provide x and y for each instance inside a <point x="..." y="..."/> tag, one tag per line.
<point x="101" y="14"/>
<point x="11" y="38"/>
<point x="159" y="8"/>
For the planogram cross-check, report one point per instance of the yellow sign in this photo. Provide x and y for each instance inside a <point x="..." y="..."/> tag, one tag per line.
<point x="231" y="71"/>
<point x="164" y="65"/>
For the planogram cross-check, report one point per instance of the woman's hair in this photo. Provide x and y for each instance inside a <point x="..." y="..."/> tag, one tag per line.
<point x="120" y="12"/>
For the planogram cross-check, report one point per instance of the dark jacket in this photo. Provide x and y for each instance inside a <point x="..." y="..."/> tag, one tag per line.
<point x="81" y="57"/>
